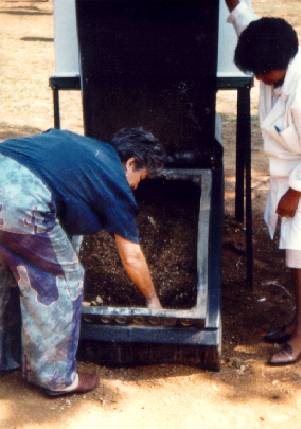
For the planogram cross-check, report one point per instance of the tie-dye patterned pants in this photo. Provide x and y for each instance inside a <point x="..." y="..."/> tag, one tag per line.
<point x="41" y="293"/>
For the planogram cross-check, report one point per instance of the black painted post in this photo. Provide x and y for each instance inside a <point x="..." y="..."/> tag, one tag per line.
<point x="248" y="165"/>
<point x="241" y="143"/>
<point x="56" y="108"/>
<point x="243" y="163"/>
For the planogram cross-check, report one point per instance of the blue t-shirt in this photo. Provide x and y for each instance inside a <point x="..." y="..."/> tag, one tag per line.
<point x="86" y="178"/>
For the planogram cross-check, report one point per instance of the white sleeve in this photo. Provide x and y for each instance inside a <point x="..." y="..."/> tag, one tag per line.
<point x="241" y="17"/>
<point x="292" y="137"/>
<point x="294" y="180"/>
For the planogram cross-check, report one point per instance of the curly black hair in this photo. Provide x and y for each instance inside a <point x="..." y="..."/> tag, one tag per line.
<point x="266" y="44"/>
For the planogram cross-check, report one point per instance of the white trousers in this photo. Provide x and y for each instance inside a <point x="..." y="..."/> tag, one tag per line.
<point x="293" y="258"/>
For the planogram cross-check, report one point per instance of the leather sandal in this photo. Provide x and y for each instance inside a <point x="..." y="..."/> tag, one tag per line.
<point x="284" y="356"/>
<point x="86" y="383"/>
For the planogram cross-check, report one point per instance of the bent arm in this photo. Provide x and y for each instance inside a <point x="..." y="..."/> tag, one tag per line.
<point x="291" y="137"/>
<point x="135" y="265"/>
<point x="294" y="180"/>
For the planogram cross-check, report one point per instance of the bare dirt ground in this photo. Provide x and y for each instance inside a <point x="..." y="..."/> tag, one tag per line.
<point x="245" y="393"/>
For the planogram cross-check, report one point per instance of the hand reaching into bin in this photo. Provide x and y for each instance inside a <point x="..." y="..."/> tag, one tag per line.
<point x="135" y="265"/>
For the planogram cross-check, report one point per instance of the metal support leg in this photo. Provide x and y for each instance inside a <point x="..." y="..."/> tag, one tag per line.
<point x="56" y="108"/>
<point x="58" y="83"/>
<point x="249" y="224"/>
<point x="244" y="169"/>
<point x="241" y="120"/>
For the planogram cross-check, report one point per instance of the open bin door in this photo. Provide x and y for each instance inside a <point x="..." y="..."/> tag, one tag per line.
<point x="153" y="64"/>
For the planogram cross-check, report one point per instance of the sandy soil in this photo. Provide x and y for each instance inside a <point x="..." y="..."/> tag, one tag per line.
<point x="245" y="393"/>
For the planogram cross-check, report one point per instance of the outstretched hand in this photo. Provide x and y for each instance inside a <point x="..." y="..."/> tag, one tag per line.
<point x="288" y="204"/>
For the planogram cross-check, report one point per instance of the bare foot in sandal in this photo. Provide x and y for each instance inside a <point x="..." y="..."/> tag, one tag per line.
<point x="86" y="383"/>
<point x="289" y="353"/>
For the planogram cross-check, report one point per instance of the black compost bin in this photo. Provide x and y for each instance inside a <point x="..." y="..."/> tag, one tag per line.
<point x="152" y="63"/>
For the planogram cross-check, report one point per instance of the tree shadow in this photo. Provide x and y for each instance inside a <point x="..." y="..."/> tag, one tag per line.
<point x="8" y="131"/>
<point x="12" y="8"/>
<point x="24" y="13"/>
<point x="37" y="39"/>
<point x="26" y="1"/>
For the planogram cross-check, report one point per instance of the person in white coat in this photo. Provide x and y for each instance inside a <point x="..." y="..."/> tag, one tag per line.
<point x="268" y="48"/>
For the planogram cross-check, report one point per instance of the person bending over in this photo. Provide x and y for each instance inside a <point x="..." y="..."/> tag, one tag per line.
<point x="55" y="187"/>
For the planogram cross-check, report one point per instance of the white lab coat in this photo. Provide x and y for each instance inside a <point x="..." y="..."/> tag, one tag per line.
<point x="280" y="120"/>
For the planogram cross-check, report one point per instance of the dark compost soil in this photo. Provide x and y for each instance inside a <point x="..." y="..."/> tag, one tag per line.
<point x="168" y="228"/>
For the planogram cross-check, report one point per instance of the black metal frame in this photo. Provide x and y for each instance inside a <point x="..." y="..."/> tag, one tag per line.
<point x="182" y="336"/>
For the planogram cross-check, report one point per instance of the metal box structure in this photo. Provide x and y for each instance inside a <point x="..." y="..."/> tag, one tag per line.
<point x="153" y="64"/>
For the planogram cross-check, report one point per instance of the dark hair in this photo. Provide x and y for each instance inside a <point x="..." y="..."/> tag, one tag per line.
<point x="266" y="44"/>
<point x="141" y="145"/>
